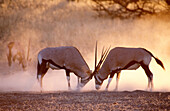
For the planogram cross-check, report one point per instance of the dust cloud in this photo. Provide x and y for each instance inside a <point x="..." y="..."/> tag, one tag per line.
<point x="59" y="23"/>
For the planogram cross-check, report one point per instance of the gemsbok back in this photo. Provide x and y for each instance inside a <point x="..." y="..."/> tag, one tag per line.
<point x="66" y="57"/>
<point x="121" y="58"/>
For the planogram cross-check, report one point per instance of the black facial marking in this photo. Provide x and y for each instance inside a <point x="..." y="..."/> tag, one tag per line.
<point x="97" y="82"/>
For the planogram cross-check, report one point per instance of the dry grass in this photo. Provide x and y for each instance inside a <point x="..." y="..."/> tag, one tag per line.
<point x="47" y="23"/>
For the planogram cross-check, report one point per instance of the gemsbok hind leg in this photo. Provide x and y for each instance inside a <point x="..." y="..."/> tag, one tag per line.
<point x="68" y="79"/>
<point x="149" y="75"/>
<point x="42" y="69"/>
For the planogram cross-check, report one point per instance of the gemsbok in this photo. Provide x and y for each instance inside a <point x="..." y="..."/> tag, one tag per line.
<point x="65" y="57"/>
<point x="68" y="58"/>
<point x="121" y="58"/>
<point x="15" y="52"/>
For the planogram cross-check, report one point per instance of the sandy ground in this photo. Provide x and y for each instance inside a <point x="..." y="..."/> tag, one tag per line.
<point x="93" y="100"/>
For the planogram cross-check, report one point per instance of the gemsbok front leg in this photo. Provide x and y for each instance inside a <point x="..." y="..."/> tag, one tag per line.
<point x="78" y="82"/>
<point x="110" y="79"/>
<point x="68" y="79"/>
<point x="117" y="81"/>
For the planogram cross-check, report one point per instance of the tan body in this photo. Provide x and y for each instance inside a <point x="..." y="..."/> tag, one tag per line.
<point x="121" y="58"/>
<point x="67" y="58"/>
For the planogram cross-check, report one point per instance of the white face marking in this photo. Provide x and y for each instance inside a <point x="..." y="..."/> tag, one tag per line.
<point x="98" y="79"/>
<point x="97" y="86"/>
<point x="39" y="77"/>
<point x="85" y="78"/>
<point x="39" y="58"/>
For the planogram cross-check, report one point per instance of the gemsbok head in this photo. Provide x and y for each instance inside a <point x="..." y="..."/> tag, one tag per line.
<point x="15" y="52"/>
<point x="65" y="57"/>
<point x="121" y="58"/>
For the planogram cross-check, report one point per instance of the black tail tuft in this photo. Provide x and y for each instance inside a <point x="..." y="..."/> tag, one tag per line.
<point x="159" y="62"/>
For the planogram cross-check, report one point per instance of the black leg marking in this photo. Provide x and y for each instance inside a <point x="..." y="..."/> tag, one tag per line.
<point x="112" y="74"/>
<point x="68" y="78"/>
<point x="67" y="73"/>
<point x="118" y="74"/>
<point x="148" y="73"/>
<point x="78" y="82"/>
<point x="42" y="69"/>
<point x="110" y="79"/>
<point x="117" y="80"/>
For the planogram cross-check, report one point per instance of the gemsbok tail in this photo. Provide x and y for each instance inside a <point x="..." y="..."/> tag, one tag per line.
<point x="157" y="60"/>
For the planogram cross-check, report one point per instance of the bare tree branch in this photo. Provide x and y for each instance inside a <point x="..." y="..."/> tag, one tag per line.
<point x="128" y="8"/>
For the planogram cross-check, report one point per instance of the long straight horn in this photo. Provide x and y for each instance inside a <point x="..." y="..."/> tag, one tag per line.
<point x="103" y="57"/>
<point x="96" y="56"/>
<point x="105" y="54"/>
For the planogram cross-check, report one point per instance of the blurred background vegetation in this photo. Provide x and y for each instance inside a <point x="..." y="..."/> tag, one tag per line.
<point x="130" y="8"/>
<point x="69" y="22"/>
